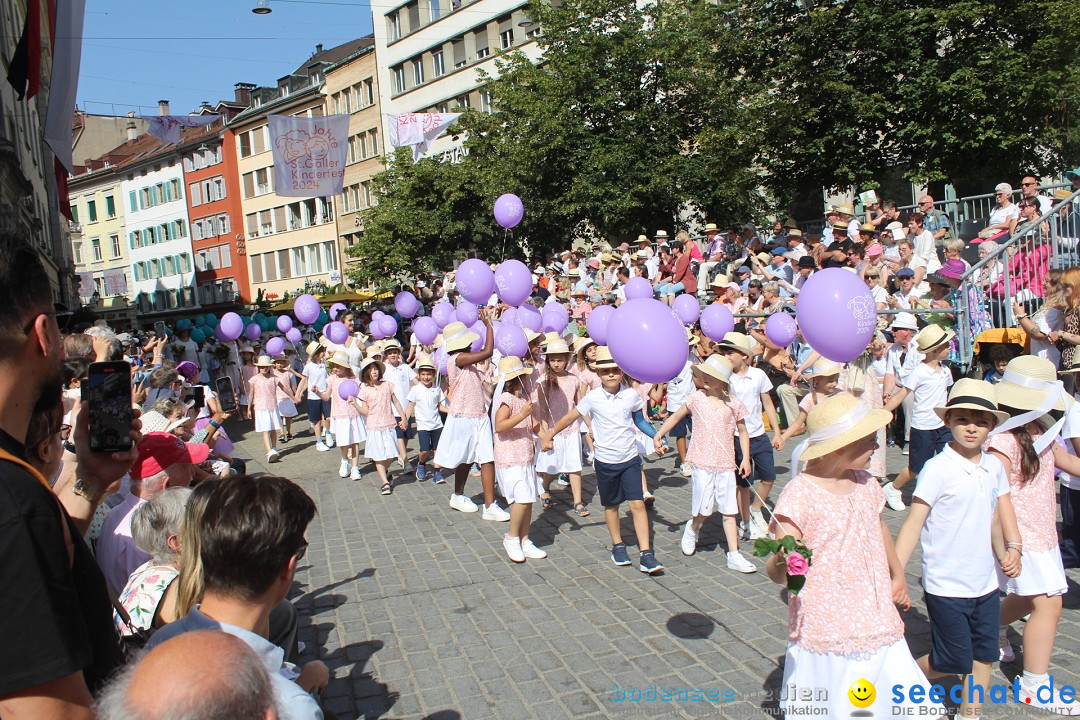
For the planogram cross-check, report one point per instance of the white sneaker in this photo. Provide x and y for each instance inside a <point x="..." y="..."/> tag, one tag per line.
<point x="343" y="471"/>
<point x="893" y="497"/>
<point x="758" y="527"/>
<point x="736" y="561"/>
<point x="1005" y="648"/>
<point x="512" y="545"/>
<point x="531" y="551"/>
<point x="328" y="438"/>
<point x="355" y="473"/>
<point x="496" y="513"/>
<point x="463" y="503"/>
<point x="685" y="470"/>
<point x="905" y="451"/>
<point x="689" y="539"/>
<point x="273" y="456"/>
<point x="1051" y="700"/>
<point x="321" y="446"/>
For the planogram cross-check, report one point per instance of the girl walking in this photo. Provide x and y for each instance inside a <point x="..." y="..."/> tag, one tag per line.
<point x="824" y="383"/>
<point x="380" y="401"/>
<point x="286" y="402"/>
<point x="346" y="415"/>
<point x="554" y="395"/>
<point x="263" y="391"/>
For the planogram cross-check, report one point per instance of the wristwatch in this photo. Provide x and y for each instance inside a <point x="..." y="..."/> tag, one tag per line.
<point x="81" y="488"/>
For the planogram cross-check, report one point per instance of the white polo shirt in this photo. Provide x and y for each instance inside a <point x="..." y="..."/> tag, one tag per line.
<point x="680" y="387"/>
<point x="426" y="402"/>
<point x="316" y="378"/>
<point x="748" y="388"/>
<point x="957" y="555"/>
<point x="930" y="389"/>
<point x="614" y="431"/>
<point x="1070" y="430"/>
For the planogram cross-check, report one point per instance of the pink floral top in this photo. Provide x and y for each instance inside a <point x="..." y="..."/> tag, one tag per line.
<point x="588" y="377"/>
<point x="142" y="595"/>
<point x="517" y="446"/>
<point x="466" y="389"/>
<point x="560" y="400"/>
<point x="263" y="394"/>
<point x="338" y="407"/>
<point x="813" y="398"/>
<point x="713" y="449"/>
<point x="285" y="378"/>
<point x="1034" y="500"/>
<point x="846" y="605"/>
<point x="643" y="389"/>
<point x="379" y="405"/>
<point x="247" y="372"/>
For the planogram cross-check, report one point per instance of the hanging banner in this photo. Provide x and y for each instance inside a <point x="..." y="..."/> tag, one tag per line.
<point x="86" y="284"/>
<point x="64" y="81"/>
<point x="166" y="128"/>
<point x="418" y="129"/>
<point x="115" y="282"/>
<point x="309" y="154"/>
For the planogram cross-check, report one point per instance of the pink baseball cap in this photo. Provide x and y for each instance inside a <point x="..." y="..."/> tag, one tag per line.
<point x="873" y="251"/>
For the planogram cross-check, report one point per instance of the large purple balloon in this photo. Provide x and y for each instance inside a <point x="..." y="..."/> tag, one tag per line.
<point x="687" y="307"/>
<point x="336" y="332"/>
<point x="780" y="329"/>
<point x="440" y="358"/>
<point x="275" y="346"/>
<point x="252" y="332"/>
<point x="388" y="326"/>
<point x="467" y="312"/>
<point x="510" y="340"/>
<point x="335" y="309"/>
<point x="529" y="317"/>
<point x="306" y="309"/>
<point x="406" y="304"/>
<point x="293" y="335"/>
<point x="475" y="281"/>
<point x="598" y="322"/>
<point x="348" y="389"/>
<point x="513" y="282"/>
<point x="377" y="315"/>
<point x="637" y="288"/>
<point x="716" y="321"/>
<point x="480" y="329"/>
<point x="426" y="330"/>
<point x="509" y="210"/>
<point x="220" y="334"/>
<point x="509" y="316"/>
<point x="441" y="314"/>
<point x="284" y="323"/>
<point x="647" y="340"/>
<point x="837" y="314"/>
<point x="230" y="326"/>
<point x="554" y="320"/>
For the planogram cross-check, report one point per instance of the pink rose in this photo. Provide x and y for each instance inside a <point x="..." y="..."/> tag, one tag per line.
<point x="796" y="564"/>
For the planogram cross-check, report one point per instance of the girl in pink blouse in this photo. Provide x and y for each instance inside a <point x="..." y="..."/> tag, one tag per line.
<point x="515" y="455"/>
<point x="380" y="401"/>
<point x="554" y="395"/>
<point x="346" y="414"/>
<point x="843" y="624"/>
<point x="824" y="383"/>
<point x="247" y="371"/>
<point x="263" y="391"/>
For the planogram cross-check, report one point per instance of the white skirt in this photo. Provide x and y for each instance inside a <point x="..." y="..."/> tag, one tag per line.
<point x="465" y="440"/>
<point x="286" y="408"/>
<point x="644" y="444"/>
<point x="712" y="492"/>
<point x="518" y="483"/>
<point x="1041" y="573"/>
<point x="564" y="456"/>
<point x="827" y="677"/>
<point x="349" y="430"/>
<point x="381" y="444"/>
<point x="267" y="420"/>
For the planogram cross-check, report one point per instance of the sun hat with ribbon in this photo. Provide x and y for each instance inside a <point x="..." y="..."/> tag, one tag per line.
<point x="368" y="362"/>
<point x="426" y="365"/>
<point x="153" y="421"/>
<point x="510" y="367"/>
<point x="904" y="321"/>
<point x="1030" y="385"/>
<point x="374" y="350"/>
<point x="313" y="347"/>
<point x="972" y="394"/>
<point x="824" y="367"/>
<point x="456" y="336"/>
<point x="720" y="281"/>
<point x="389" y="344"/>
<point x="739" y="342"/>
<point x="603" y="358"/>
<point x="340" y="358"/>
<point x="932" y="336"/>
<point x="835" y="422"/>
<point x="845" y="210"/>
<point x="715" y="366"/>
<point x="581" y="342"/>
<point x="264" y="361"/>
<point x="557" y="347"/>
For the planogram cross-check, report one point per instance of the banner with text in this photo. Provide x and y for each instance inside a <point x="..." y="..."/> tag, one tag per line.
<point x="418" y="129"/>
<point x="167" y="128"/>
<point x="309" y="154"/>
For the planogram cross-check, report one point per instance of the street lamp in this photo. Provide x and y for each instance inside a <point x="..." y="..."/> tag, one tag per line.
<point x="262" y="7"/>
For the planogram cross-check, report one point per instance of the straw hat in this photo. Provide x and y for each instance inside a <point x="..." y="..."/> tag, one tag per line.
<point x="720" y="281"/>
<point x="715" y="366"/>
<point x="824" y="368"/>
<point x="830" y="411"/>
<point x="246" y="347"/>
<point x="794" y="232"/>
<point x="390" y="343"/>
<point x="641" y="255"/>
<point x="1023" y="397"/>
<point x="456" y="336"/>
<point x="368" y="362"/>
<point x="739" y="342"/>
<point x="691" y="338"/>
<point x="1074" y="368"/>
<point x="642" y="238"/>
<point x="845" y="210"/>
<point x="932" y="336"/>
<point x="557" y="347"/>
<point x="153" y="421"/>
<point x="510" y="367"/>
<point x="764" y="258"/>
<point x="550" y="337"/>
<point x="972" y="394"/>
<point x="711" y="227"/>
<point x="530" y="335"/>
<point x="264" y="361"/>
<point x="374" y="350"/>
<point x="313" y="347"/>
<point x="578" y="292"/>
<point x="582" y="342"/>
<point x="867" y="228"/>
<point x="603" y="358"/>
<point x="340" y="358"/>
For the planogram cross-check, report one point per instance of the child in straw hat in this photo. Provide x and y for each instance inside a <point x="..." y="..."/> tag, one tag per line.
<point x="834" y="508"/>
<point x="554" y="395"/>
<point x="824" y="383"/>
<point x="263" y="392"/>
<point x="346" y="415"/>
<point x="314" y="380"/>
<point x="711" y="456"/>
<point x="286" y="401"/>
<point x="614" y="410"/>
<point x="961" y="495"/>
<point x="427" y="400"/>
<point x="585" y="351"/>
<point x="380" y="402"/>
<point x="247" y="371"/>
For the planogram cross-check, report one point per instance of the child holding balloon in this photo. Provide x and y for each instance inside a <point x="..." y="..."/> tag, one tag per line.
<point x="381" y="403"/>
<point x="263" y="391"/>
<point x="515" y="452"/>
<point x="554" y="395"/>
<point x="286" y="400"/>
<point x="346" y="413"/>
<point x="824" y="383"/>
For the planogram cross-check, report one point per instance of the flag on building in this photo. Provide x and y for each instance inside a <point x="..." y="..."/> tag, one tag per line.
<point x="309" y="154"/>
<point x="166" y="128"/>
<point x="86" y="284"/>
<point x="115" y="282"/>
<point x="418" y="129"/>
<point x="24" y="70"/>
<point x="67" y="51"/>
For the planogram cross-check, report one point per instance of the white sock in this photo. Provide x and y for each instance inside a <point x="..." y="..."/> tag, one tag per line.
<point x="1033" y="680"/>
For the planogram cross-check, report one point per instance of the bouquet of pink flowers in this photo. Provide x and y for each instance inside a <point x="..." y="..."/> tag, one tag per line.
<point x="797" y="556"/>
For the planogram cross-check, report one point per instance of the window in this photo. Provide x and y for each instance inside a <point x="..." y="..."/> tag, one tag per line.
<point x="110" y="206"/>
<point x="262" y="181"/>
<point x="399" y="79"/>
<point x="245" y="144"/>
<point x="436" y="10"/>
<point x="369" y="92"/>
<point x="506" y="38"/>
<point x="132" y="203"/>
<point x="261" y="135"/>
<point x="395" y="25"/>
<point x="195" y="194"/>
<point x="458" y="46"/>
<point x="374" y="135"/>
<point x="480" y="41"/>
<point x="345" y="107"/>
<point x="115" y="242"/>
<point x="463" y="101"/>
<point x="91" y="211"/>
<point x="176" y="191"/>
<point x="365" y="194"/>
<point x="223" y="224"/>
<point x="251" y="225"/>
<point x="442" y="108"/>
<point x="418" y="72"/>
<point x="485" y="100"/>
<point x="299" y="261"/>
<point x="76" y="249"/>
<point x="75" y="214"/>
<point x="533" y="32"/>
<point x="249" y="184"/>
<point x="95" y="244"/>
<point x="414" y="16"/>
<point x="438" y="64"/>
<point x="226" y="259"/>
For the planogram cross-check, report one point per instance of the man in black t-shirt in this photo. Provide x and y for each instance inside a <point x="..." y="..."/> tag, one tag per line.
<point x="55" y="613"/>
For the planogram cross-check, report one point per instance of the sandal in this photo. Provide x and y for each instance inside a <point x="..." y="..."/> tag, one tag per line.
<point x="386" y="489"/>
<point x="547" y="502"/>
<point x="581" y="510"/>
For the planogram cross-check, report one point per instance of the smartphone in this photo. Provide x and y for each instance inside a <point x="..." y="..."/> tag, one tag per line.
<point x="108" y="393"/>
<point x="196" y="394"/>
<point x="159" y="328"/>
<point x="226" y="396"/>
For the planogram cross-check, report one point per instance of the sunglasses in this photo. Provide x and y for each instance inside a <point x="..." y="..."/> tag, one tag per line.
<point x="26" y="328"/>
<point x="301" y="552"/>
<point x="1028" y="184"/>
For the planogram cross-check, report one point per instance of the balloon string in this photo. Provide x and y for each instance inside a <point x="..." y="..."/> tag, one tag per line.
<point x="507" y="233"/>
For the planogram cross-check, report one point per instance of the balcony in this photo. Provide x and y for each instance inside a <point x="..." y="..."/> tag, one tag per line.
<point x="74" y="228"/>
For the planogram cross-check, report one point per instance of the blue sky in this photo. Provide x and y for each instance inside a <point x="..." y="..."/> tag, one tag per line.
<point x="136" y="53"/>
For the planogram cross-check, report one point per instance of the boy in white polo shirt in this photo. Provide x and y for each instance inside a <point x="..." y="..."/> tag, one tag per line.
<point x="427" y="400"/>
<point x="614" y="410"/>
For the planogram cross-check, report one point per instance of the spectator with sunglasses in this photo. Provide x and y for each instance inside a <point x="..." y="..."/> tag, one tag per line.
<point x="1005" y="216"/>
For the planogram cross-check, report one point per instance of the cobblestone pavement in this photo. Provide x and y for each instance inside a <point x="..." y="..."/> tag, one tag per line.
<point x="419" y="613"/>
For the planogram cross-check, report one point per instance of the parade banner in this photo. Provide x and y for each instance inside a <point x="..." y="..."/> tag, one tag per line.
<point x="86" y="284"/>
<point x="167" y="127"/>
<point x="418" y="129"/>
<point x="63" y="85"/>
<point x="309" y="154"/>
<point x="115" y="282"/>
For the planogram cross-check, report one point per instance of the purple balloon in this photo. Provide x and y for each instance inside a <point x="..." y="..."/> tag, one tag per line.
<point x="335" y="309"/>
<point x="230" y="326"/>
<point x="510" y="340"/>
<point x="220" y="334"/>
<point x="509" y="316"/>
<point x="441" y="314"/>
<point x="717" y="321"/>
<point x="480" y="329"/>
<point x="275" y="346"/>
<point x="376" y="333"/>
<point x="598" y="321"/>
<point x="637" y="288"/>
<point x="475" y="281"/>
<point x="284" y="323"/>
<point x="647" y="340"/>
<point x="388" y="326"/>
<point x="509" y="210"/>
<point x="306" y="309"/>
<point x="348" y="389"/>
<point x="440" y="358"/>
<point x="837" y="314"/>
<point x="554" y="321"/>
<point x="687" y="307"/>
<point x="293" y="335"/>
<point x="377" y="315"/>
<point x="426" y="330"/>
<point x="252" y="332"/>
<point x="513" y="282"/>
<point x="406" y="304"/>
<point x="529" y="317"/>
<point x="780" y="329"/>
<point x="467" y="313"/>
<point x="336" y="332"/>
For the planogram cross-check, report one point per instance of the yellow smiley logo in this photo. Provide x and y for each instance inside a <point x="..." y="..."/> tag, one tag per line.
<point x="862" y="693"/>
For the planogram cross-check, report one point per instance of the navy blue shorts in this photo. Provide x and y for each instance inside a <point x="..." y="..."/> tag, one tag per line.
<point x="683" y="428"/>
<point x="429" y="439"/>
<point x="618" y="482"/>
<point x="405" y="434"/>
<point x="925" y="444"/>
<point x="317" y="410"/>
<point x="762" y="460"/>
<point x="962" y="630"/>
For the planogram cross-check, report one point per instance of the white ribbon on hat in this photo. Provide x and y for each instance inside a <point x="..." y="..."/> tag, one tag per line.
<point x="845" y="422"/>
<point x="456" y="336"/>
<point x="1054" y="389"/>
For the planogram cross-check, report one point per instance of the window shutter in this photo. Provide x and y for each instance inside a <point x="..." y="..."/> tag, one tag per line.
<point x="195" y="195"/>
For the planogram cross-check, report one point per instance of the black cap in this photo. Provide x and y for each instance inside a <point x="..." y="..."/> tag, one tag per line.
<point x="677" y="245"/>
<point x="807" y="262"/>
